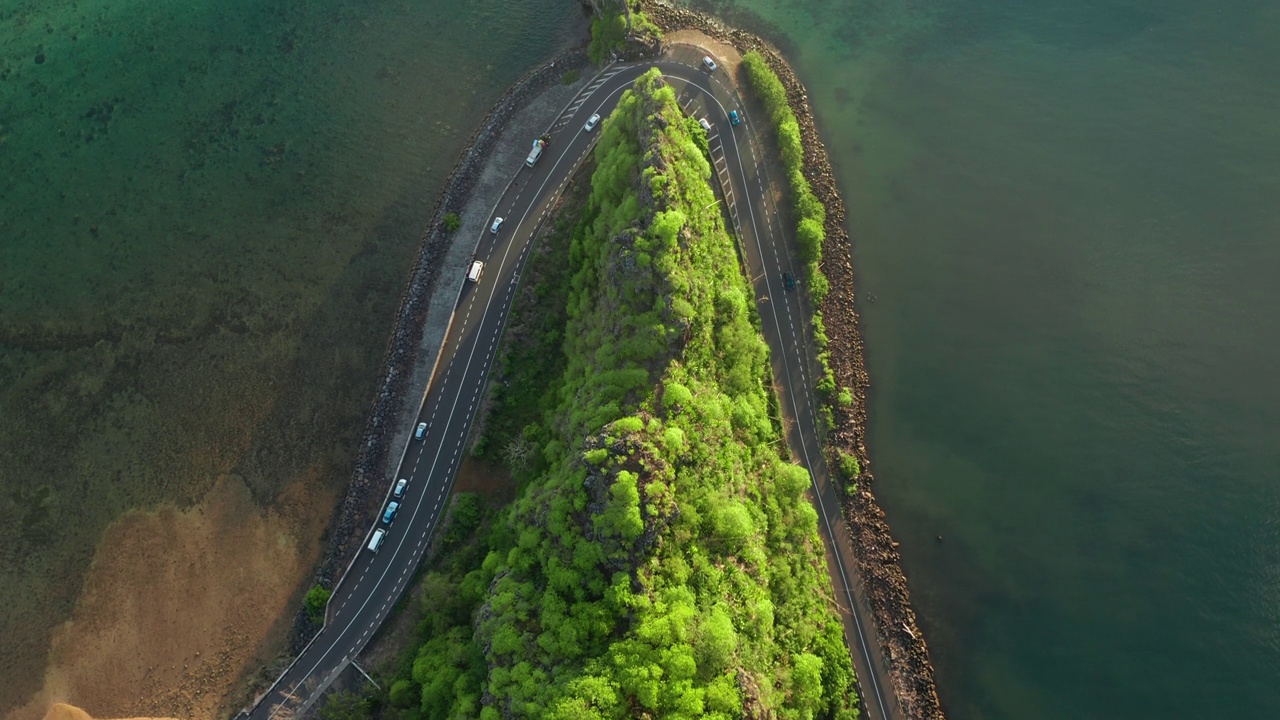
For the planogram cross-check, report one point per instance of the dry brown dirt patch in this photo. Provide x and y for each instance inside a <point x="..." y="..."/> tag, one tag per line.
<point x="178" y="603"/>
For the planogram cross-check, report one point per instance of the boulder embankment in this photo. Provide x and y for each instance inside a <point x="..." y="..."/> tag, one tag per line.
<point x="877" y="556"/>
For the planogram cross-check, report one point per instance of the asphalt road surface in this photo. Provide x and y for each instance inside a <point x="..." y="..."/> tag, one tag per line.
<point x="374" y="581"/>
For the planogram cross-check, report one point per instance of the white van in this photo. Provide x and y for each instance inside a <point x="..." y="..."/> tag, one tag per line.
<point x="535" y="153"/>
<point x="473" y="274"/>
<point x="375" y="542"/>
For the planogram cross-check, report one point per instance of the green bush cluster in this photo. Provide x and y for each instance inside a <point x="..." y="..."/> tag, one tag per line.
<point x="664" y="561"/>
<point x="345" y="705"/>
<point x="849" y="465"/>
<point x="317" y="597"/>
<point x="609" y="29"/>
<point x="809" y="212"/>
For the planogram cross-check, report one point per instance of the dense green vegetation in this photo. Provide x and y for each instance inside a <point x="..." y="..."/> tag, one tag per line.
<point x="609" y="28"/>
<point x="809" y="213"/>
<point x="662" y="560"/>
<point x="807" y="210"/>
<point x="317" y="597"/>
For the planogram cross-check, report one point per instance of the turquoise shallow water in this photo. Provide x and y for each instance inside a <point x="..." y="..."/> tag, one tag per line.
<point x="1068" y="212"/>
<point x="207" y="214"/>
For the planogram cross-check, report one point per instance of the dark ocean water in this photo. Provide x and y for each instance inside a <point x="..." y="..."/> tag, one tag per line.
<point x="1069" y="213"/>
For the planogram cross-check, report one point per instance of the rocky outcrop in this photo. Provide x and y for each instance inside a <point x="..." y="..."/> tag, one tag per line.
<point x="878" y="559"/>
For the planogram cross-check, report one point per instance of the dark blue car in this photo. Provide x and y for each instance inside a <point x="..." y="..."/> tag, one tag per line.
<point x="733" y="117"/>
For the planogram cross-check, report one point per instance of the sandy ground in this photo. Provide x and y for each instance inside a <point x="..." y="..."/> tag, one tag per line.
<point x="177" y="604"/>
<point x="726" y="55"/>
<point x="61" y="711"/>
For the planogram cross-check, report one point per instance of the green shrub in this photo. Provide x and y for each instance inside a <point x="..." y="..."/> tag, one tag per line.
<point x="315" y="601"/>
<point x="845" y="398"/>
<point x="452" y="221"/>
<point x="849" y="465"/>
<point x="571" y="76"/>
<point x="345" y="706"/>
<point x="628" y="425"/>
<point x="826" y="385"/>
<point x="465" y="516"/>
<point x="404" y="694"/>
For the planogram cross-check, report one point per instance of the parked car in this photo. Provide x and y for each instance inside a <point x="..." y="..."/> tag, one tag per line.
<point x="789" y="281"/>
<point x="592" y="122"/>
<point x="709" y="63"/>
<point x="400" y="486"/>
<point x="390" y="513"/>
<point x="706" y="125"/>
<point x="734" y="119"/>
<point x="422" y="430"/>
<point x="497" y="223"/>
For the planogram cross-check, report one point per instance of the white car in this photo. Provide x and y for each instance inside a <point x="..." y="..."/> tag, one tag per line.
<point x="705" y="125"/>
<point x="592" y="122"/>
<point x="497" y="223"/>
<point x="473" y="274"/>
<point x="711" y="64"/>
<point x="400" y="486"/>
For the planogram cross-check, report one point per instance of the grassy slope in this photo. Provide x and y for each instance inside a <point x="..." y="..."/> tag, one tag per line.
<point x="663" y="560"/>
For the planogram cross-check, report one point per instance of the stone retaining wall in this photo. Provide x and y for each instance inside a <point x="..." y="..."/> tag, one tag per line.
<point x="876" y="552"/>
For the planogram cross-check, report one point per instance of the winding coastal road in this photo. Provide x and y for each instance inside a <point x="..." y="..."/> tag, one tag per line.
<point x="374" y="581"/>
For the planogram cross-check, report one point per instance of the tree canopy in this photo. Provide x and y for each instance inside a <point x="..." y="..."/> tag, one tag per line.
<point x="662" y="560"/>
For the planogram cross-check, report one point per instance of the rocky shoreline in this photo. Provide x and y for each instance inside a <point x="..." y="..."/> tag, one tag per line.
<point x="878" y="559"/>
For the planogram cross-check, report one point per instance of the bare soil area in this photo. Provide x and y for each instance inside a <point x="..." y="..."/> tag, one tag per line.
<point x="177" y="605"/>
<point x="726" y="55"/>
<point x="61" y="711"/>
<point x="492" y="482"/>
